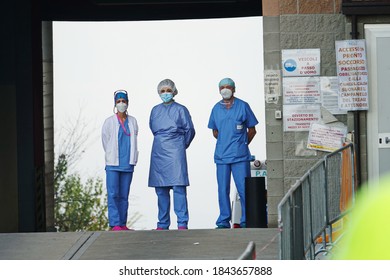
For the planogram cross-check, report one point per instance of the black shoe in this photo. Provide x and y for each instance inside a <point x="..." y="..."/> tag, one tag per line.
<point x="221" y="227"/>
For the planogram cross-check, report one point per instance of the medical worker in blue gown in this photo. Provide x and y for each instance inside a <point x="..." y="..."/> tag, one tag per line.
<point x="119" y="137"/>
<point x="233" y="125"/>
<point x="173" y="130"/>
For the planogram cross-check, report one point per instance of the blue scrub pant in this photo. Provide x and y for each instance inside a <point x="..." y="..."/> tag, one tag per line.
<point x="180" y="206"/>
<point x="240" y="170"/>
<point x="118" y="188"/>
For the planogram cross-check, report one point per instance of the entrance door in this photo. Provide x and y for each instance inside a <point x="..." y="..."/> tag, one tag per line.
<point x="378" y="115"/>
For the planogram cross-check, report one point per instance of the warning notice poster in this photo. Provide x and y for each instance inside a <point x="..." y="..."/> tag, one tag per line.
<point x="352" y="75"/>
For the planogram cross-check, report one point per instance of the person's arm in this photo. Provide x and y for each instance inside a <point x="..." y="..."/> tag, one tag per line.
<point x="189" y="130"/>
<point x="215" y="133"/>
<point x="251" y="133"/>
<point x="105" y="134"/>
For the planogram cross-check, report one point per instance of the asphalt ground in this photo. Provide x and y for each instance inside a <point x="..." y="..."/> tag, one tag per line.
<point x="193" y="244"/>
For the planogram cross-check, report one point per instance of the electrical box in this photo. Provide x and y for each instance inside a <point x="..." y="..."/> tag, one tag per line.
<point x="384" y="140"/>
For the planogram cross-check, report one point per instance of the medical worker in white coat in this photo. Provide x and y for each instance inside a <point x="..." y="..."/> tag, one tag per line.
<point x="173" y="130"/>
<point x="233" y="125"/>
<point x="119" y="137"/>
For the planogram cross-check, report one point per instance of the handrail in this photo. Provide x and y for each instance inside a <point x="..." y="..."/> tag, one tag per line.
<point x="311" y="208"/>
<point x="249" y="253"/>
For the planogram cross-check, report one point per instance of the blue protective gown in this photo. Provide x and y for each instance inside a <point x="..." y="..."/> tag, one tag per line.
<point x="232" y="154"/>
<point x="173" y="132"/>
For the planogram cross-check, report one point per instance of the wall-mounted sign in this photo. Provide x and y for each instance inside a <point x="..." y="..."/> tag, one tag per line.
<point x="301" y="90"/>
<point x="272" y="83"/>
<point x="300" y="117"/>
<point x="352" y="74"/>
<point x="301" y="62"/>
<point x="258" y="173"/>
<point x="326" y="138"/>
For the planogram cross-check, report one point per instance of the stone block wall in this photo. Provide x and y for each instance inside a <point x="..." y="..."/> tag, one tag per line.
<point x="295" y="24"/>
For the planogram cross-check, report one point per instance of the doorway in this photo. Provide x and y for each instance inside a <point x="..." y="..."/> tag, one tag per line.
<point x="93" y="59"/>
<point x="378" y="116"/>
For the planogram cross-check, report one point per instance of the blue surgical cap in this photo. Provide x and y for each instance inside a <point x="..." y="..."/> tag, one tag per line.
<point x="167" y="83"/>
<point x="227" y="82"/>
<point x="120" y="94"/>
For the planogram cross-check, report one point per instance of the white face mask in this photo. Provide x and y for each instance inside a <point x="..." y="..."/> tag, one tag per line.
<point x="226" y="93"/>
<point x="122" y="107"/>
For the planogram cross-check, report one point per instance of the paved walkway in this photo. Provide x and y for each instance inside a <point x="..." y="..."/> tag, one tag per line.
<point x="197" y="244"/>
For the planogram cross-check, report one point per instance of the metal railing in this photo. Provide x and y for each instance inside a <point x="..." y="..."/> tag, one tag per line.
<point x="249" y="253"/>
<point x="315" y="206"/>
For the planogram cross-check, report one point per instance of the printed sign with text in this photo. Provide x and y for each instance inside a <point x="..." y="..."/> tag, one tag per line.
<point x="301" y="62"/>
<point x="300" y="117"/>
<point x="301" y="90"/>
<point x="326" y="138"/>
<point x="272" y="84"/>
<point x="352" y="74"/>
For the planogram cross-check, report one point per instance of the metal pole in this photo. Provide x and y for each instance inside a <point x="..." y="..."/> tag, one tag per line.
<point x="356" y="115"/>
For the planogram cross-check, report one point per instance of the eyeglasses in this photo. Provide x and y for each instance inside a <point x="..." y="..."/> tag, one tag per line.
<point x="120" y="91"/>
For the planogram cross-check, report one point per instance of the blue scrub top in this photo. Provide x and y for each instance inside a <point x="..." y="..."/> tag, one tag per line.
<point x="123" y="150"/>
<point x="232" y="125"/>
<point x="173" y="132"/>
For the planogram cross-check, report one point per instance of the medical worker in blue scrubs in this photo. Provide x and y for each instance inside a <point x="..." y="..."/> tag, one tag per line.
<point x="233" y="125"/>
<point x="119" y="138"/>
<point x="173" y="130"/>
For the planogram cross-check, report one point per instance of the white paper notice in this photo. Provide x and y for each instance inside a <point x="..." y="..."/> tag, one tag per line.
<point x="272" y="84"/>
<point x="330" y="95"/>
<point x="301" y="90"/>
<point x="326" y="138"/>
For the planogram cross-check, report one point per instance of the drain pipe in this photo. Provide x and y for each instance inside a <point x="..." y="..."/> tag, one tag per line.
<point x="356" y="115"/>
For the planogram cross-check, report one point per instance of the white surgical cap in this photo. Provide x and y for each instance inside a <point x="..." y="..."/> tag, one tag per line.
<point x="167" y="83"/>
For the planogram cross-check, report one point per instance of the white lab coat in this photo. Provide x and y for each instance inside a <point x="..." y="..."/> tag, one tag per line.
<point x="110" y="131"/>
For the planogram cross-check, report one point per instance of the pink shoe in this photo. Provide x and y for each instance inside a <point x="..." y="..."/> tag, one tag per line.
<point x="182" y="228"/>
<point x="116" y="228"/>
<point x="125" y="228"/>
<point x="160" y="228"/>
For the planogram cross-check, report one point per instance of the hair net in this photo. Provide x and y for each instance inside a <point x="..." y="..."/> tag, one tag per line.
<point x="227" y="81"/>
<point x="167" y="83"/>
<point x="120" y="94"/>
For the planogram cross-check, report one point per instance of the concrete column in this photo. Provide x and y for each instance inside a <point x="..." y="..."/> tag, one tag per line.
<point x="47" y="63"/>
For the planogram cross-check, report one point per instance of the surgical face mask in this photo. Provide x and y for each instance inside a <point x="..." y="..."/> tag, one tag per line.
<point x="121" y="106"/>
<point x="226" y="93"/>
<point x="166" y="97"/>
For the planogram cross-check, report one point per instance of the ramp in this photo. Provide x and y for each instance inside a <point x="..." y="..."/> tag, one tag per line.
<point x="196" y="244"/>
